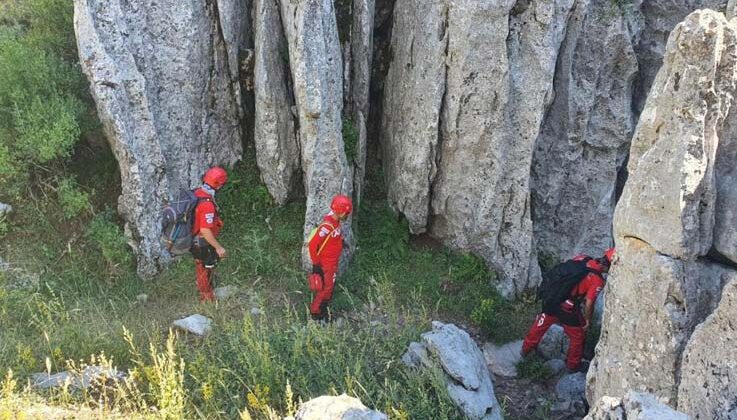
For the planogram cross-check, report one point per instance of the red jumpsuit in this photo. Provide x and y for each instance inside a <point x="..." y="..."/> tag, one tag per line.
<point x="205" y="216"/>
<point x="327" y="258"/>
<point x="588" y="288"/>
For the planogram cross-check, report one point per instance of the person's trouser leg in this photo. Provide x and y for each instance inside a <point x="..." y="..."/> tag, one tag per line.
<point x="318" y="308"/>
<point x="204" y="281"/>
<point x="537" y="331"/>
<point x="577" y="336"/>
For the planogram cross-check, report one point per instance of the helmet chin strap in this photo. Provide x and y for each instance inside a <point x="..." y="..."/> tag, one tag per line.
<point x="208" y="189"/>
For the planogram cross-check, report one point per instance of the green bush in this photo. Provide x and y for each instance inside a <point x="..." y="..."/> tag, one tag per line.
<point x="109" y="239"/>
<point x="533" y="367"/>
<point x="73" y="201"/>
<point x="350" y="140"/>
<point x="43" y="97"/>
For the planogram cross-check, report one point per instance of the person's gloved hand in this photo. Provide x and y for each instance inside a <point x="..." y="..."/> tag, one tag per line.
<point x="317" y="269"/>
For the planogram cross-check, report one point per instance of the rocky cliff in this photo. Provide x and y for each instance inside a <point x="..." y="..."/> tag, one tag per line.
<point x="668" y="289"/>
<point x="503" y="127"/>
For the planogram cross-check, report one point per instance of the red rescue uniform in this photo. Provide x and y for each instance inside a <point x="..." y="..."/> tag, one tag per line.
<point x="325" y="249"/>
<point x="588" y="288"/>
<point x="205" y="216"/>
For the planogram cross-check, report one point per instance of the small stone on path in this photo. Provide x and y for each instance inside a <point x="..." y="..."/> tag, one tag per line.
<point x="502" y="360"/>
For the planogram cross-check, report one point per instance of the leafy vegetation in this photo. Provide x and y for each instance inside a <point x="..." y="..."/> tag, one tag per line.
<point x="44" y="107"/>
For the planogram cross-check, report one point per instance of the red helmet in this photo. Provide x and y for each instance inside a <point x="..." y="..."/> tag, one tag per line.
<point x="609" y="254"/>
<point x="215" y="177"/>
<point x="341" y="204"/>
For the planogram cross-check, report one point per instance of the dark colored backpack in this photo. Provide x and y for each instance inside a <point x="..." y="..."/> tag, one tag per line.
<point x="559" y="282"/>
<point x="176" y="223"/>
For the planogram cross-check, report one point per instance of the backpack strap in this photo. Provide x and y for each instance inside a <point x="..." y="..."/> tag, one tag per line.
<point x="327" y="238"/>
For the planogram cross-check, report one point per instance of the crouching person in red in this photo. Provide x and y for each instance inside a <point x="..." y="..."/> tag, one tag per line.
<point x="325" y="247"/>
<point x="569" y="314"/>
<point x="206" y="249"/>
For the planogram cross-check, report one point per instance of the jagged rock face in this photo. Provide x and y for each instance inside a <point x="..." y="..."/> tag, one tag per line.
<point x="160" y="76"/>
<point x="725" y="222"/>
<point x="635" y="405"/>
<point x="487" y="107"/>
<point x="664" y="285"/>
<point x="277" y="151"/>
<point x="712" y="350"/>
<point x="586" y="133"/>
<point x="315" y="61"/>
<point x="659" y="17"/>
<point x="413" y="92"/>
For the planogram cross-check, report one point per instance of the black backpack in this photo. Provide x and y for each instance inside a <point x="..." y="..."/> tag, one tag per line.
<point x="559" y="282"/>
<point x="176" y="223"/>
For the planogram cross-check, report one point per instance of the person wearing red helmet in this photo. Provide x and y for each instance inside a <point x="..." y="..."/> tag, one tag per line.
<point x="574" y="320"/>
<point x="206" y="249"/>
<point x="325" y="248"/>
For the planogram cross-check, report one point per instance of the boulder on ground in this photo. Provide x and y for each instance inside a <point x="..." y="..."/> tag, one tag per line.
<point x="467" y="378"/>
<point x="89" y="376"/>
<point x="554" y="344"/>
<point x="502" y="360"/>
<point x="196" y="324"/>
<point x="571" y="387"/>
<point x="341" y="407"/>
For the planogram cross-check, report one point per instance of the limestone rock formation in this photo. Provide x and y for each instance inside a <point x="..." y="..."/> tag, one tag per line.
<point x="585" y="137"/>
<point x="665" y="220"/>
<point x="458" y="142"/>
<point x="413" y="93"/>
<point x="467" y="378"/>
<point x="316" y="65"/>
<point x="634" y="406"/>
<point x="162" y="83"/>
<point x="708" y="387"/>
<point x="341" y="407"/>
<point x="277" y="151"/>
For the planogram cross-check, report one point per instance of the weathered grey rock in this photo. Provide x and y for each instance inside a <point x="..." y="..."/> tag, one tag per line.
<point x="89" y="376"/>
<point x="555" y="366"/>
<point x="316" y="65"/>
<point x="413" y="93"/>
<point x="256" y="311"/>
<point x="554" y="344"/>
<point x="225" y="292"/>
<point x="416" y="356"/>
<point x="677" y="138"/>
<point x="362" y="37"/>
<point x="665" y="219"/>
<point x="571" y="387"/>
<point x="598" y="317"/>
<point x="585" y="137"/>
<point x="159" y="74"/>
<point x="142" y="298"/>
<point x="469" y="383"/>
<point x="659" y="17"/>
<point x="645" y="329"/>
<point x="725" y="218"/>
<point x="634" y="406"/>
<point x="483" y="176"/>
<point x="502" y="360"/>
<point x="233" y="16"/>
<point x="196" y="324"/>
<point x="341" y="407"/>
<point x="5" y="209"/>
<point x="277" y="151"/>
<point x="708" y="386"/>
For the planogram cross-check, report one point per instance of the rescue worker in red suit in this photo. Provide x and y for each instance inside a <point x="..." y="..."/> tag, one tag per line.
<point x="576" y="322"/>
<point x="325" y="249"/>
<point x="206" y="249"/>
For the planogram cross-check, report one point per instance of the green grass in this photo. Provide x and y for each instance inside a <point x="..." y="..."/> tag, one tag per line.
<point x="87" y="297"/>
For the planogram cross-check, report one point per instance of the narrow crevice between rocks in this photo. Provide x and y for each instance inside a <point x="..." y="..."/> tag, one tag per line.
<point x="382" y="58"/>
